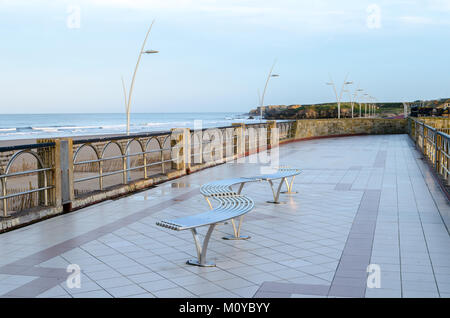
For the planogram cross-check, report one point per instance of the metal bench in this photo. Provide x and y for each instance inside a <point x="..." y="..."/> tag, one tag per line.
<point x="224" y="187"/>
<point x="283" y="173"/>
<point x="230" y="206"/>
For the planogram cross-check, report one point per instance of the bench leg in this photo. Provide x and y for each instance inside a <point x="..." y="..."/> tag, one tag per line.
<point x="201" y="250"/>
<point x="289" y="186"/>
<point x="237" y="231"/>
<point x="241" y="187"/>
<point x="276" y="194"/>
<point x="210" y="205"/>
<point x="209" y="202"/>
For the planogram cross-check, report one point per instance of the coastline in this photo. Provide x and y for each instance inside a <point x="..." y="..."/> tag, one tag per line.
<point x="25" y="129"/>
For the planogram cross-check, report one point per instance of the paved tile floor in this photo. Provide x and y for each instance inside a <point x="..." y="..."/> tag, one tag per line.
<point x="361" y="200"/>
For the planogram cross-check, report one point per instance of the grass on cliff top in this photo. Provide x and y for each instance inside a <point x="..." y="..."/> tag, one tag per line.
<point x="383" y="110"/>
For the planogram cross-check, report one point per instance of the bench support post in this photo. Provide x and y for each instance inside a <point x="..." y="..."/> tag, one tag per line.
<point x="237" y="231"/>
<point x="241" y="187"/>
<point x="289" y="186"/>
<point x="201" y="250"/>
<point x="276" y="194"/>
<point x="209" y="202"/>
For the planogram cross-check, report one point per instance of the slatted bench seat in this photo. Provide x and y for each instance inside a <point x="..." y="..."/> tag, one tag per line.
<point x="282" y="173"/>
<point x="224" y="187"/>
<point x="230" y="206"/>
<point x="220" y="187"/>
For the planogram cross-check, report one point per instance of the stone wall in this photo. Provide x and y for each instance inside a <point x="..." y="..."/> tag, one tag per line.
<point x="311" y="128"/>
<point x="435" y="122"/>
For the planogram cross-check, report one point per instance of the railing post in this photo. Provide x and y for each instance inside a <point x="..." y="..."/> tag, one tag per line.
<point x="177" y="145"/>
<point x="447" y="162"/>
<point x="125" y="164"/>
<point x="240" y="139"/>
<point x="66" y="172"/>
<point x="144" y="163"/>
<point x="436" y="152"/>
<point x="198" y="146"/>
<point x="415" y="132"/>
<point x="50" y="157"/>
<point x="4" y="201"/>
<point x="187" y="149"/>
<point x="271" y="126"/>
<point x="422" y="135"/>
<point x="229" y="143"/>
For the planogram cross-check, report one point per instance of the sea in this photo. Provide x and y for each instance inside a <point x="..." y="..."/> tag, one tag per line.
<point x="31" y="126"/>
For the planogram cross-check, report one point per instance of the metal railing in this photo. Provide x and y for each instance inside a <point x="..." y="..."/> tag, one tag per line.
<point x="95" y="164"/>
<point x="33" y="172"/>
<point x="434" y="145"/>
<point x="117" y="156"/>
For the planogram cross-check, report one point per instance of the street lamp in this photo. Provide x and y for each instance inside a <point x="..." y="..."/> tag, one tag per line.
<point x="359" y="99"/>
<point x="128" y="99"/>
<point x="374" y="106"/>
<point x="365" y="106"/>
<point x="265" y="88"/>
<point x="351" y="100"/>
<point x="338" y="99"/>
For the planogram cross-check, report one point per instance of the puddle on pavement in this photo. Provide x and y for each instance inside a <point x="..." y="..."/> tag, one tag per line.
<point x="145" y="197"/>
<point x="180" y="185"/>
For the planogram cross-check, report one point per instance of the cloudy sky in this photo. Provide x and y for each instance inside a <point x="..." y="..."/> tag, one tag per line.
<point x="215" y="54"/>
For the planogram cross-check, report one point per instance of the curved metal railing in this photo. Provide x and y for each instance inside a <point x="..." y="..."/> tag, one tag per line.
<point x="99" y="163"/>
<point x="33" y="172"/>
<point x="114" y="157"/>
<point x="434" y="144"/>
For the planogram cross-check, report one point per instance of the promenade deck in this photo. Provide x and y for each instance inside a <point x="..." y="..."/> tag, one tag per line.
<point x="361" y="200"/>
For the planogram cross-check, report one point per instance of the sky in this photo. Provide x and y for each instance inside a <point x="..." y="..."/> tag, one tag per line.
<point x="214" y="55"/>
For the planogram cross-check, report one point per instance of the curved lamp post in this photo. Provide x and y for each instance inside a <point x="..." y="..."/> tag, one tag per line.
<point x="265" y="88"/>
<point x="338" y="98"/>
<point x="374" y="106"/>
<point x="128" y="99"/>
<point x="352" y="104"/>
<point x="359" y="99"/>
<point x="365" y="106"/>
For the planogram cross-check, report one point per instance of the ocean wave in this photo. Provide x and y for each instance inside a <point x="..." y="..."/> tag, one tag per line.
<point x="26" y="128"/>
<point x="77" y="127"/>
<point x="112" y="127"/>
<point x="46" y="129"/>
<point x="171" y="124"/>
<point x="7" y="129"/>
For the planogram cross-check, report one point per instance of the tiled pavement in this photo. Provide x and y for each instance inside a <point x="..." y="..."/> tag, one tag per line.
<point x="362" y="200"/>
